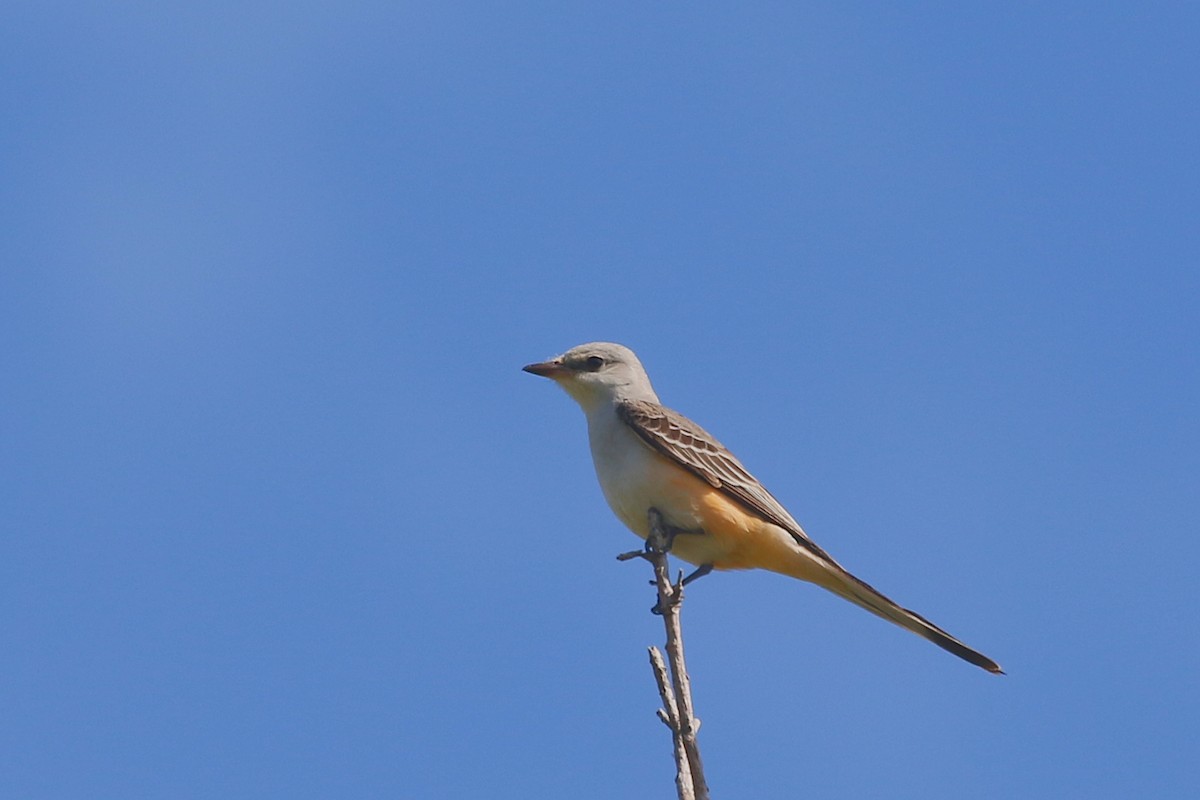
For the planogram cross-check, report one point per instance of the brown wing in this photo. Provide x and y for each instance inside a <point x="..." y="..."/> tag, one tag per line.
<point x="696" y="450"/>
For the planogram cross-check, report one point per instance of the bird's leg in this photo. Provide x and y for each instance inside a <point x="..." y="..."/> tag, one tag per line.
<point x="659" y="540"/>
<point x="662" y="536"/>
<point x="671" y="532"/>
<point x="700" y="572"/>
<point x="659" y="537"/>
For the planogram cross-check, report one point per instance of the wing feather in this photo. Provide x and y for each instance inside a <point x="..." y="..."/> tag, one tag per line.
<point x="687" y="444"/>
<point x="699" y="452"/>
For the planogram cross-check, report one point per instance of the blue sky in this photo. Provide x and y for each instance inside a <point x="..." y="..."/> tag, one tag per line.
<point x="283" y="518"/>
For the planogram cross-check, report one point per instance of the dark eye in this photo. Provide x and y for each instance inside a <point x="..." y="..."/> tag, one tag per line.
<point x="593" y="363"/>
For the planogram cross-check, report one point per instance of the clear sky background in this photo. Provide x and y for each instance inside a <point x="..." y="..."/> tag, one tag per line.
<point x="281" y="516"/>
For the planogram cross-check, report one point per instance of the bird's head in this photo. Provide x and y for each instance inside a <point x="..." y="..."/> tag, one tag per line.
<point x="597" y="373"/>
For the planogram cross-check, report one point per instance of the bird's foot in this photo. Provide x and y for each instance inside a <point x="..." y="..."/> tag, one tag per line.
<point x="675" y="598"/>
<point x="658" y="543"/>
<point x="699" y="573"/>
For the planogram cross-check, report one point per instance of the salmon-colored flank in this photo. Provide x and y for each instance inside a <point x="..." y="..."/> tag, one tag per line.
<point x="737" y="538"/>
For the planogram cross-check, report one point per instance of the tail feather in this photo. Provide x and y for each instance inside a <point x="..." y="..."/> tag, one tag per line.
<point x="863" y="594"/>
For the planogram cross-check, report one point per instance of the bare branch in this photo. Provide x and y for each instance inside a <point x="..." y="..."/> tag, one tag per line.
<point x="678" y="712"/>
<point x="669" y="714"/>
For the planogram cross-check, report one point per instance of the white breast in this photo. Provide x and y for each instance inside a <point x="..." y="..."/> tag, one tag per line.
<point x="631" y="476"/>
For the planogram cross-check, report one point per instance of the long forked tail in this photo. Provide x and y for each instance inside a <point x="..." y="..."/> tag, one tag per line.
<point x="842" y="583"/>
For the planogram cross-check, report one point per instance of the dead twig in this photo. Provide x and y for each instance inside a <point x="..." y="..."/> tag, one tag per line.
<point x="677" y="712"/>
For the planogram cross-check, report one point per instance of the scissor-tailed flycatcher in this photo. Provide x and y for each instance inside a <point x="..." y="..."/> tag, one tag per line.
<point x="648" y="456"/>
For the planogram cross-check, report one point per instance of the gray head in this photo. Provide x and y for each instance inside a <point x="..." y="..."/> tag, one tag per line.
<point x="598" y="373"/>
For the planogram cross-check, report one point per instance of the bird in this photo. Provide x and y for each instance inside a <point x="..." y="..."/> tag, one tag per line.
<point x="648" y="456"/>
